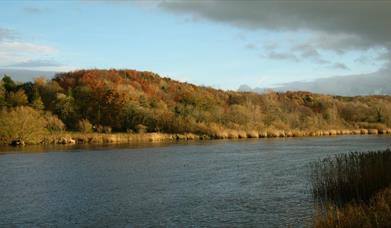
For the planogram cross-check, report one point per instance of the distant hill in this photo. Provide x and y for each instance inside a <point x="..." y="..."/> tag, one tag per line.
<point x="25" y="75"/>
<point x="378" y="83"/>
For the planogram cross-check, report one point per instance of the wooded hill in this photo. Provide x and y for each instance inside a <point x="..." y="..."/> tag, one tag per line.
<point x="135" y="101"/>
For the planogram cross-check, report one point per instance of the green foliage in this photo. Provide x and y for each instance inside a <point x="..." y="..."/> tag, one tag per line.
<point x="65" y="108"/>
<point x="9" y="84"/>
<point x="2" y="95"/>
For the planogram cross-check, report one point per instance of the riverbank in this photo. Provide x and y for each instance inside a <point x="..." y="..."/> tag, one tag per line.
<point x="123" y="138"/>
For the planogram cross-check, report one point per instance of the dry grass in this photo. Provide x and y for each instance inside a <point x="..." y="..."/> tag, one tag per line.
<point x="373" y="131"/>
<point x="377" y="213"/>
<point x="113" y="138"/>
<point x="252" y="134"/>
<point x="215" y="132"/>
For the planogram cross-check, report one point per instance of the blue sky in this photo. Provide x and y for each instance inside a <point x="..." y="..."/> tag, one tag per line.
<point x="186" y="45"/>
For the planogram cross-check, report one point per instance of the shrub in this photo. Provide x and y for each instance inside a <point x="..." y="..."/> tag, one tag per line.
<point x="107" y="129"/>
<point x="85" y="126"/>
<point x="17" y="98"/>
<point x="38" y="104"/>
<point x="141" y="128"/>
<point x="53" y="123"/>
<point x="102" y="129"/>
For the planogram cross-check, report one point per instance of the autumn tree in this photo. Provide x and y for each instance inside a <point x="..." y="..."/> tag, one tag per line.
<point x="17" y="98"/>
<point x="22" y="123"/>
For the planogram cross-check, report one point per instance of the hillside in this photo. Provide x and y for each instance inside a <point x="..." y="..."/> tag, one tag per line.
<point x="134" y="101"/>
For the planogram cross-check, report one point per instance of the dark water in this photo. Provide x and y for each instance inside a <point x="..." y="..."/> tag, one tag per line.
<point x="260" y="183"/>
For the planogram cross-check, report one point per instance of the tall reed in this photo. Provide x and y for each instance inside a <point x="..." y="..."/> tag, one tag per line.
<point x="353" y="190"/>
<point x="351" y="177"/>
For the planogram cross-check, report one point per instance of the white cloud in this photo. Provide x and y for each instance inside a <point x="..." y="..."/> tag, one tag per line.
<point x="24" y="47"/>
<point x="33" y="63"/>
<point x="23" y="54"/>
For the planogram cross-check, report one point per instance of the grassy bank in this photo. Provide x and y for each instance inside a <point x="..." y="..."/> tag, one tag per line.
<point x="123" y="138"/>
<point x="353" y="190"/>
<point x="113" y="138"/>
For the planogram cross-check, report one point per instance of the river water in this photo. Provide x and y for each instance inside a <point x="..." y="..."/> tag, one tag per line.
<point x="263" y="183"/>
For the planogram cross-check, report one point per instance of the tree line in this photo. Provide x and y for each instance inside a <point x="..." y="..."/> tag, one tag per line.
<point x="139" y="101"/>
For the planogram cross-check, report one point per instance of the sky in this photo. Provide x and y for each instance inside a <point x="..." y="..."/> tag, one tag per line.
<point x="222" y="44"/>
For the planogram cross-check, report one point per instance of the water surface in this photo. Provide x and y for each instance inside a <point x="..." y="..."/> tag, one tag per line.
<point x="260" y="183"/>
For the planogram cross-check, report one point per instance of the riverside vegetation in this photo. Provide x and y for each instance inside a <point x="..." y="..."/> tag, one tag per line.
<point x="120" y="106"/>
<point x="353" y="190"/>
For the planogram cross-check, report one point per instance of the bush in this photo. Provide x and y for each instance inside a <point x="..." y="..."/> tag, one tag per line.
<point x="22" y="123"/>
<point x="85" y="126"/>
<point x="102" y="129"/>
<point x="17" y="98"/>
<point x="141" y="128"/>
<point x="53" y="123"/>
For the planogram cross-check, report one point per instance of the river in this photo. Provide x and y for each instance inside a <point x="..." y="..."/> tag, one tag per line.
<point x="263" y="182"/>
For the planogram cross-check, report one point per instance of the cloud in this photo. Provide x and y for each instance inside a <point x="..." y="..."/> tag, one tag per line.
<point x="386" y="56"/>
<point x="339" y="66"/>
<point x="15" y="52"/>
<point x="364" y="84"/>
<point x="281" y="56"/>
<point x="34" y="10"/>
<point x="36" y="63"/>
<point x="25" y="47"/>
<point x="361" y="24"/>
<point x="251" y="46"/>
<point x="6" y="34"/>
<point x="308" y="51"/>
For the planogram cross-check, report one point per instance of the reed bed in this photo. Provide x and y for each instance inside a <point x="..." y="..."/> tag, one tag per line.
<point x="351" y="177"/>
<point x="67" y="137"/>
<point x="353" y="190"/>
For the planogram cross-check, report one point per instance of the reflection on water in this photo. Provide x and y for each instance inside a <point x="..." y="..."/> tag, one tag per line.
<point x="214" y="183"/>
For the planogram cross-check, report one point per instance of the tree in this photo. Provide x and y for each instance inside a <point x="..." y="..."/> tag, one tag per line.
<point x="22" y="123"/>
<point x="2" y="94"/>
<point x="65" y="109"/>
<point x="9" y="84"/>
<point x="17" y="98"/>
<point x="37" y="103"/>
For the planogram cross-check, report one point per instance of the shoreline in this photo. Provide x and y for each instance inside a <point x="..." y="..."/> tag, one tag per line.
<point x="63" y="138"/>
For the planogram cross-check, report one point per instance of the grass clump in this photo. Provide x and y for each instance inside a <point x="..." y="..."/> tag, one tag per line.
<point x="376" y="213"/>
